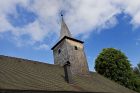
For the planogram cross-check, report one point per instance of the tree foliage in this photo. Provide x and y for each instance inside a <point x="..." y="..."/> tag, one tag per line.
<point x="136" y="70"/>
<point x="136" y="74"/>
<point x="113" y="64"/>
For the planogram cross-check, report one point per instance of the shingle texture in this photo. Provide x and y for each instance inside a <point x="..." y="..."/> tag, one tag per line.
<point x="22" y="74"/>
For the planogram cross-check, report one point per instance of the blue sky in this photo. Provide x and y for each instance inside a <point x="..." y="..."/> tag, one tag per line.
<point x="29" y="28"/>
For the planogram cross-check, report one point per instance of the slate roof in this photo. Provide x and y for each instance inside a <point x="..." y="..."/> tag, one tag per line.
<point x="22" y="74"/>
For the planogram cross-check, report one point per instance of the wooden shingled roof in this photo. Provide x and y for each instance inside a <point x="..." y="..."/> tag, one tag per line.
<point x="25" y="75"/>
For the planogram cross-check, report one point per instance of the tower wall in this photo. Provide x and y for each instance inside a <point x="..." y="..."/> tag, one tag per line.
<point x="73" y="52"/>
<point x="77" y="57"/>
<point x="62" y="57"/>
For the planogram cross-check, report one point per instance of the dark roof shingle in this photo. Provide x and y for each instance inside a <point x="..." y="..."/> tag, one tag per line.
<point x="22" y="74"/>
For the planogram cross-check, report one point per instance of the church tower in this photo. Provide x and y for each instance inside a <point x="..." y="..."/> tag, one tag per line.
<point x="70" y="50"/>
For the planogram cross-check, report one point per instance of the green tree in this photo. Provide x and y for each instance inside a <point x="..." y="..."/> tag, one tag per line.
<point x="113" y="64"/>
<point x="136" y="78"/>
<point x="136" y="70"/>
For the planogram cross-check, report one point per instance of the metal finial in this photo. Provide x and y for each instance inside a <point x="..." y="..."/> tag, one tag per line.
<point x="61" y="14"/>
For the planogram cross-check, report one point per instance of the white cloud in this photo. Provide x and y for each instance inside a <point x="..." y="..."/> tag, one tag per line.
<point x="132" y="8"/>
<point x="138" y="41"/>
<point x="82" y="16"/>
<point x="92" y="14"/>
<point x="42" y="47"/>
<point x="4" y="24"/>
<point x="34" y="30"/>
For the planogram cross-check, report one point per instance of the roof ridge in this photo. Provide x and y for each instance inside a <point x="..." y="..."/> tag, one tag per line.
<point x="25" y="60"/>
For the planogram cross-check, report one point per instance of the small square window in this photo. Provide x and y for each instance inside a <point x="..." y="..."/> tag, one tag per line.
<point x="75" y="47"/>
<point x="59" y="51"/>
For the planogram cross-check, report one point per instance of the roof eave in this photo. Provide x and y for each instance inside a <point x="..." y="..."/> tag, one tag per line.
<point x="66" y="37"/>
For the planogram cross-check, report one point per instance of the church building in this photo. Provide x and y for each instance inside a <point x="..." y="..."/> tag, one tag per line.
<point x="69" y="73"/>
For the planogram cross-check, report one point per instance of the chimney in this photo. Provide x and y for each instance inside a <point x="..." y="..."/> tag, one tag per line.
<point x="68" y="74"/>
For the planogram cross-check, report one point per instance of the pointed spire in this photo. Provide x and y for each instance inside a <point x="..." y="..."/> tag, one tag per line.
<point x="64" y="29"/>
